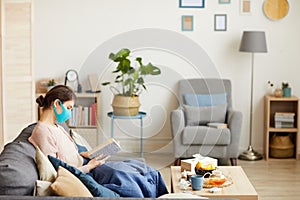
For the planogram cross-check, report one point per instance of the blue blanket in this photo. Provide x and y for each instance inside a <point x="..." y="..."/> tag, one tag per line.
<point x="130" y="178"/>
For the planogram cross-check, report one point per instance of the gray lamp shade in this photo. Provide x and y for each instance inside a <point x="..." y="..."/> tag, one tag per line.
<point x="254" y="41"/>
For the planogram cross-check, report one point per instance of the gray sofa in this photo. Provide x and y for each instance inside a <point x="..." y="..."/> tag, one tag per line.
<point x="191" y="135"/>
<point x="18" y="171"/>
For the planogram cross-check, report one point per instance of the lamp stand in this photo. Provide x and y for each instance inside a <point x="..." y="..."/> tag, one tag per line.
<point x="250" y="154"/>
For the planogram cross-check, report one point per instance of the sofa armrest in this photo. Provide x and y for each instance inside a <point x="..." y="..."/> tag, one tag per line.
<point x="235" y="119"/>
<point x="177" y="121"/>
<point x="177" y="126"/>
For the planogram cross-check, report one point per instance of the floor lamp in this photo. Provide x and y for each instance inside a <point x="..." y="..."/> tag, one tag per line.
<point x="253" y="42"/>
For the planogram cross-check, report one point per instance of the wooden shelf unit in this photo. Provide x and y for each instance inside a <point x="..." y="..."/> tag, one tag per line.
<point x="281" y="104"/>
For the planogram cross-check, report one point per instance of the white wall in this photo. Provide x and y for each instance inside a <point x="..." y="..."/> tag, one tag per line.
<point x="67" y="33"/>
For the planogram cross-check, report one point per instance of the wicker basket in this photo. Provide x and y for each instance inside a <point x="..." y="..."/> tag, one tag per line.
<point x="126" y="106"/>
<point x="281" y="147"/>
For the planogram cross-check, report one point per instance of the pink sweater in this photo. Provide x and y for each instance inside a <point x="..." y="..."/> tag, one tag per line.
<point x="55" y="141"/>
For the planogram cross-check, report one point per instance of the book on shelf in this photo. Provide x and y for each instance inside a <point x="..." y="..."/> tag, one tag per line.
<point x="86" y="116"/>
<point x="285" y="114"/>
<point x="217" y="125"/>
<point x="83" y="115"/>
<point x="280" y="119"/>
<point x="279" y="124"/>
<point x="108" y="148"/>
<point x="93" y="114"/>
<point x="284" y="119"/>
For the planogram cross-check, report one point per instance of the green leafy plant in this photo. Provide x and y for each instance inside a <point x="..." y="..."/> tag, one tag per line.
<point x="285" y="85"/>
<point x="51" y="82"/>
<point x="131" y="78"/>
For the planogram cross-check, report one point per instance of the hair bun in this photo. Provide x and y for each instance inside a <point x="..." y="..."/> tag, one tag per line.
<point x="40" y="100"/>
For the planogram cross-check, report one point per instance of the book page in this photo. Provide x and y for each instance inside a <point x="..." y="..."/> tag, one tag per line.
<point x="110" y="147"/>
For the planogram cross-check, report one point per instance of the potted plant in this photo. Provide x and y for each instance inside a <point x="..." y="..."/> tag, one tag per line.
<point x="130" y="77"/>
<point x="51" y="83"/>
<point x="286" y="89"/>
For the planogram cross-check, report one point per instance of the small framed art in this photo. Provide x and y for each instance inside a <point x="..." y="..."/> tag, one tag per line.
<point x="245" y="6"/>
<point x="220" y="22"/>
<point x="187" y="23"/>
<point x="191" y="3"/>
<point x="224" y="1"/>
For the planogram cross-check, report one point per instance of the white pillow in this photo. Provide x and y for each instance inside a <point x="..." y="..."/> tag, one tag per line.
<point x="46" y="170"/>
<point x="42" y="188"/>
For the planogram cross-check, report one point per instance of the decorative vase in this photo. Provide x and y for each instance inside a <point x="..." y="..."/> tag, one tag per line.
<point x="287" y="92"/>
<point x="278" y="92"/>
<point x="125" y="106"/>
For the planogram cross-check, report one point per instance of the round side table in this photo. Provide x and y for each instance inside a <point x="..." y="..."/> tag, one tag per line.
<point x="139" y="116"/>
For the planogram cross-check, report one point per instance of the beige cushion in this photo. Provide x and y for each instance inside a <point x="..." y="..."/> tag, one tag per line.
<point x="46" y="170"/>
<point x="42" y="188"/>
<point x="66" y="184"/>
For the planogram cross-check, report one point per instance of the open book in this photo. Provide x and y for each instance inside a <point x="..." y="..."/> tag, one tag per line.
<point x="217" y="125"/>
<point x="108" y="148"/>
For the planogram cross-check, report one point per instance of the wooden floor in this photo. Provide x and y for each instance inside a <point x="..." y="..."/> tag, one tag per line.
<point x="273" y="180"/>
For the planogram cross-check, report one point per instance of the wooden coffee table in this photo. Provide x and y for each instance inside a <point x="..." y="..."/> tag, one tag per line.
<point x="241" y="188"/>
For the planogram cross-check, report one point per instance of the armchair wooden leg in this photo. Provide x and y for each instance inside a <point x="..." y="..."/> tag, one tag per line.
<point x="233" y="161"/>
<point x="177" y="162"/>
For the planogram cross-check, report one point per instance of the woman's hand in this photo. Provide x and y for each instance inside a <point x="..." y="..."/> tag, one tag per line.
<point x="84" y="154"/>
<point x="97" y="161"/>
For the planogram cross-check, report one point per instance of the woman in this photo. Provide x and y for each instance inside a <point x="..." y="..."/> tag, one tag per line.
<point x="128" y="178"/>
<point x="52" y="138"/>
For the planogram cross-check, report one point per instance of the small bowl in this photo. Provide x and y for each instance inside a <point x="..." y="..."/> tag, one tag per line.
<point x="202" y="172"/>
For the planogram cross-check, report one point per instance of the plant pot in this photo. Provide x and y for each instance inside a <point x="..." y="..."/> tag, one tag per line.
<point x="125" y="106"/>
<point x="287" y="92"/>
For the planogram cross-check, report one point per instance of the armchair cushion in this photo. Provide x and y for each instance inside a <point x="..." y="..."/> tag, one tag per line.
<point x="203" y="135"/>
<point x="205" y="114"/>
<point x="204" y="99"/>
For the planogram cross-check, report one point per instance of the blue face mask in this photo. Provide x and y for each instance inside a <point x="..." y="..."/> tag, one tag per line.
<point x="64" y="115"/>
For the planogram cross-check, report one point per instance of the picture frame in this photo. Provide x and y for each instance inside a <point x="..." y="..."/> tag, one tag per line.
<point x="224" y="1"/>
<point x="245" y="7"/>
<point x="187" y="23"/>
<point x="220" y="22"/>
<point x="191" y="3"/>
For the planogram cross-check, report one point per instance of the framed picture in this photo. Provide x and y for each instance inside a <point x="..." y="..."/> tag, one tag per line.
<point x="220" y="22"/>
<point x="187" y="23"/>
<point x="191" y="3"/>
<point x="245" y="6"/>
<point x="224" y="1"/>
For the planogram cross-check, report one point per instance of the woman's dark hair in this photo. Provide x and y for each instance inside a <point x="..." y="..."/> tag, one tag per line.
<point x="61" y="92"/>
